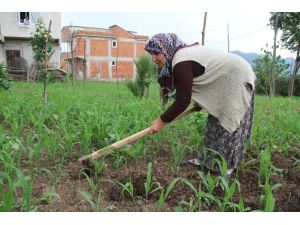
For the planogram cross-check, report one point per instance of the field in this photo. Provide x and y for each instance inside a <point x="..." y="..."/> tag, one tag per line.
<point x="40" y="146"/>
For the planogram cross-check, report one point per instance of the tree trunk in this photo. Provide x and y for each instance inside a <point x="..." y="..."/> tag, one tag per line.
<point x="293" y="77"/>
<point x="203" y="30"/>
<point x="84" y="62"/>
<point x="72" y="55"/>
<point x="228" y="48"/>
<point x="273" y="75"/>
<point x="45" y="94"/>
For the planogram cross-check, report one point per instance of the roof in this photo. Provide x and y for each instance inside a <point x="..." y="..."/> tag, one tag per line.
<point x="103" y="32"/>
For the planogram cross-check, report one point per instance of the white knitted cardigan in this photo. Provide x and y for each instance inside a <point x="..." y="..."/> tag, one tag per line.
<point x="220" y="90"/>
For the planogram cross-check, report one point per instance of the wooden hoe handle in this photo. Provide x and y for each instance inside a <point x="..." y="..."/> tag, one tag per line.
<point x="126" y="141"/>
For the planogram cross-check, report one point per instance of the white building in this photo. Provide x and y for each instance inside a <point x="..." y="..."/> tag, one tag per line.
<point x="15" y="30"/>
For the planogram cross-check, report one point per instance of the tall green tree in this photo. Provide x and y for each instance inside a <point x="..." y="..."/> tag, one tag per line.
<point x="41" y="42"/>
<point x="289" y="24"/>
<point x="264" y="67"/>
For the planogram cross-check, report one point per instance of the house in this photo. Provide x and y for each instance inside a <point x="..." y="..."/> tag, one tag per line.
<point x="15" y="30"/>
<point x="101" y="54"/>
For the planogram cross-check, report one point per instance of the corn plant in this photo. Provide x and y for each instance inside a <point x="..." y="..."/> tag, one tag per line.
<point x="268" y="199"/>
<point x="296" y="162"/>
<point x="210" y="182"/>
<point x="164" y="194"/>
<point x="198" y="193"/>
<point x="7" y="194"/>
<point x="192" y="207"/>
<point x="229" y="190"/>
<point x="92" y="185"/>
<point x="178" y="152"/>
<point x="126" y="187"/>
<point x="48" y="196"/>
<point x="149" y="185"/>
<point x="94" y="203"/>
<point x="241" y="206"/>
<point x="264" y="165"/>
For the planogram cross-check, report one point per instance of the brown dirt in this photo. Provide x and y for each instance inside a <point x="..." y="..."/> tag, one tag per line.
<point x="70" y="180"/>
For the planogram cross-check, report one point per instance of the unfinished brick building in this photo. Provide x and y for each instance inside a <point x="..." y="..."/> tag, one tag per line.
<point x="101" y="54"/>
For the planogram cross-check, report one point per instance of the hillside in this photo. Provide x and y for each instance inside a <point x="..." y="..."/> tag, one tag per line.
<point x="250" y="57"/>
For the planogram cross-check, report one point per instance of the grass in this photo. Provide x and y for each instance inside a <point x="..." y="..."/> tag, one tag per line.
<point x="86" y="117"/>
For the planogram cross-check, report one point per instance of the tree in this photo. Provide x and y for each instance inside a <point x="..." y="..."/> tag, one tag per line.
<point x="264" y="69"/>
<point x="289" y="24"/>
<point x="145" y="71"/>
<point x="41" y="42"/>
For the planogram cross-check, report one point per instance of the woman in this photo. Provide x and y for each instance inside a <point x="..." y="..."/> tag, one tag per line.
<point x="219" y="82"/>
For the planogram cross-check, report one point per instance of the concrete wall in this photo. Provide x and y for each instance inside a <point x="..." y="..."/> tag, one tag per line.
<point x="11" y="27"/>
<point x="17" y="36"/>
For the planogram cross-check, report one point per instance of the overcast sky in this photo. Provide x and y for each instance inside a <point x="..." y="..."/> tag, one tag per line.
<point x="247" y="33"/>
<point x="247" y="20"/>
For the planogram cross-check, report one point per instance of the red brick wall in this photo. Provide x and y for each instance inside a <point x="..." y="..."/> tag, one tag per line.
<point x="125" y="49"/>
<point x="99" y="47"/>
<point x="65" y="34"/>
<point x="80" y="46"/>
<point x="140" y="49"/>
<point x="99" y="67"/>
<point x="125" y="70"/>
<point x="104" y="70"/>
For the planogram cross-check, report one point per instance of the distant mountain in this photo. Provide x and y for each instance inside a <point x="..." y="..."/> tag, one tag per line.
<point x="250" y="57"/>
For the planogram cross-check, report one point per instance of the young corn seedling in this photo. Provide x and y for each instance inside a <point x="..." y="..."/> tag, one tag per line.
<point x="268" y="199"/>
<point x="164" y="195"/>
<point x="6" y="196"/>
<point x="178" y="152"/>
<point x="92" y="185"/>
<point x="210" y="182"/>
<point x="241" y="206"/>
<point x="229" y="191"/>
<point x="198" y="193"/>
<point x="48" y="196"/>
<point x="127" y="187"/>
<point x="192" y="207"/>
<point x="264" y="165"/>
<point x="149" y="185"/>
<point x="27" y="188"/>
<point x="296" y="162"/>
<point x="94" y="203"/>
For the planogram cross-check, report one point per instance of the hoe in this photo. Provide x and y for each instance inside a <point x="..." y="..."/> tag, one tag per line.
<point x="86" y="160"/>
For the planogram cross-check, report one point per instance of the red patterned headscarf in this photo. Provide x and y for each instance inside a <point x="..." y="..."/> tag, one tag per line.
<point x="168" y="44"/>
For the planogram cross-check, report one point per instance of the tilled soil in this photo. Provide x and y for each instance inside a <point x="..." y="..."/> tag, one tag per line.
<point x="65" y="183"/>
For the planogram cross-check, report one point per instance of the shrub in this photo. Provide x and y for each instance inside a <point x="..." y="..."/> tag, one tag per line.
<point x="145" y="71"/>
<point x="3" y="78"/>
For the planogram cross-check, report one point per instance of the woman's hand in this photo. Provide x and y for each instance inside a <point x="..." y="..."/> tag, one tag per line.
<point x="156" y="125"/>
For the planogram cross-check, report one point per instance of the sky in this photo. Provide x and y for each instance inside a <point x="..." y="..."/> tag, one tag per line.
<point x="247" y="33"/>
<point x="247" y="20"/>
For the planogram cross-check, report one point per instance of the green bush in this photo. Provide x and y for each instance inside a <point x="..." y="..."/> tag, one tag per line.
<point x="145" y="73"/>
<point x="4" y="83"/>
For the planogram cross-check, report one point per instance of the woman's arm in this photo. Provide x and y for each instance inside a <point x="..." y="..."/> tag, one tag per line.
<point x="183" y="82"/>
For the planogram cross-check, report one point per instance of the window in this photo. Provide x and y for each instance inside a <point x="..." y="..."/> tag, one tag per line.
<point x="24" y="18"/>
<point x="113" y="62"/>
<point x="114" y="43"/>
<point x="28" y="18"/>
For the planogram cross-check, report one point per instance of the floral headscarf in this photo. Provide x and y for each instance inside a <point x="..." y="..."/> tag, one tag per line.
<point x="167" y="44"/>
